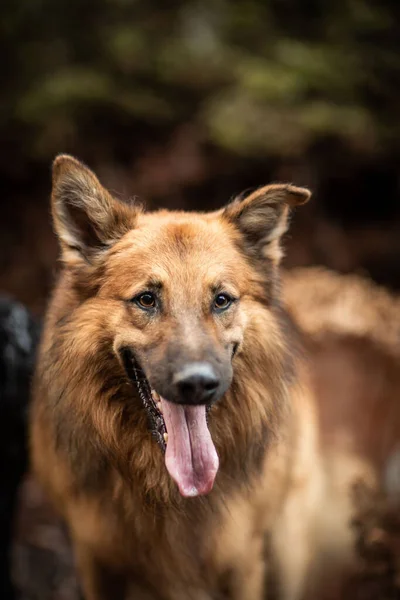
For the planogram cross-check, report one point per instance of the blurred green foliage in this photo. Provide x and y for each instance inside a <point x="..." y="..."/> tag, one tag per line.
<point x="268" y="77"/>
<point x="185" y="103"/>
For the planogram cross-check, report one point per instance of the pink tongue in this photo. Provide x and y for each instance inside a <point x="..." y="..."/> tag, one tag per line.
<point x="191" y="458"/>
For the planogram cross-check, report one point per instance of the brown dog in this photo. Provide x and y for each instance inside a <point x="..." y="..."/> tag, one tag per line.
<point x="173" y="424"/>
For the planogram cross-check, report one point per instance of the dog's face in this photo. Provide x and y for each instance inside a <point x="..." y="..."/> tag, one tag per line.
<point x="179" y="279"/>
<point x="177" y="289"/>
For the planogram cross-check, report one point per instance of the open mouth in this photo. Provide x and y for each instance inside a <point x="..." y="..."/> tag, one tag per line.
<point x="182" y="433"/>
<point x="150" y="399"/>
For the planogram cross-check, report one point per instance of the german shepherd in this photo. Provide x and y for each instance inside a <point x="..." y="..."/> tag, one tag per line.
<point x="173" y="423"/>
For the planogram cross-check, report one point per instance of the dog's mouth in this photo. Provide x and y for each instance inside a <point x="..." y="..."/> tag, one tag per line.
<point x="150" y="399"/>
<point x="182" y="433"/>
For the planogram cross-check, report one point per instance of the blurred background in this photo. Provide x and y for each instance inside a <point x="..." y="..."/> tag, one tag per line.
<point x="187" y="103"/>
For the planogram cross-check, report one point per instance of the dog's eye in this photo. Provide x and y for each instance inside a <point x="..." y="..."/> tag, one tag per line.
<point x="146" y="300"/>
<point x="222" y="301"/>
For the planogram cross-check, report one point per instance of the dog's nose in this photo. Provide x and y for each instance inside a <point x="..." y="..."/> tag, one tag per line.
<point x="196" y="383"/>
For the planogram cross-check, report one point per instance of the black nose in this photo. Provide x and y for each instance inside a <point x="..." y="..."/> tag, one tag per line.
<point x="196" y="383"/>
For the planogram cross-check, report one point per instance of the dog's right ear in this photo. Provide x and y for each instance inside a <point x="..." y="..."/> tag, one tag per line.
<point x="262" y="217"/>
<point x="87" y="219"/>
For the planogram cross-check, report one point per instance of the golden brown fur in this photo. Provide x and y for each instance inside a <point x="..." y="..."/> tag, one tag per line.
<point x="91" y="446"/>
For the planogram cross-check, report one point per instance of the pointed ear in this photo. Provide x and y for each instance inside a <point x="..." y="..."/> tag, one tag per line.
<point x="262" y="217"/>
<point x="86" y="217"/>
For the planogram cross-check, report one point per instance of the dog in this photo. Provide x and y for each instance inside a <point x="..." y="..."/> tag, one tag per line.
<point x="174" y="424"/>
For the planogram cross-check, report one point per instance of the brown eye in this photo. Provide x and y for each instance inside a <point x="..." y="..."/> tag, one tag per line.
<point x="147" y="300"/>
<point x="222" y="301"/>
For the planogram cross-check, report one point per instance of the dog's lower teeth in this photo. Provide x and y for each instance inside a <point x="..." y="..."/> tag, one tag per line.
<point x="166" y="438"/>
<point x="159" y="406"/>
<point x="156" y="397"/>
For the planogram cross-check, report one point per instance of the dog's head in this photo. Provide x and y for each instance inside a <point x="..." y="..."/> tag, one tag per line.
<point x="178" y="290"/>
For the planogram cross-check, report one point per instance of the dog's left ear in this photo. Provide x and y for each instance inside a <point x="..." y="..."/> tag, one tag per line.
<point x="262" y="217"/>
